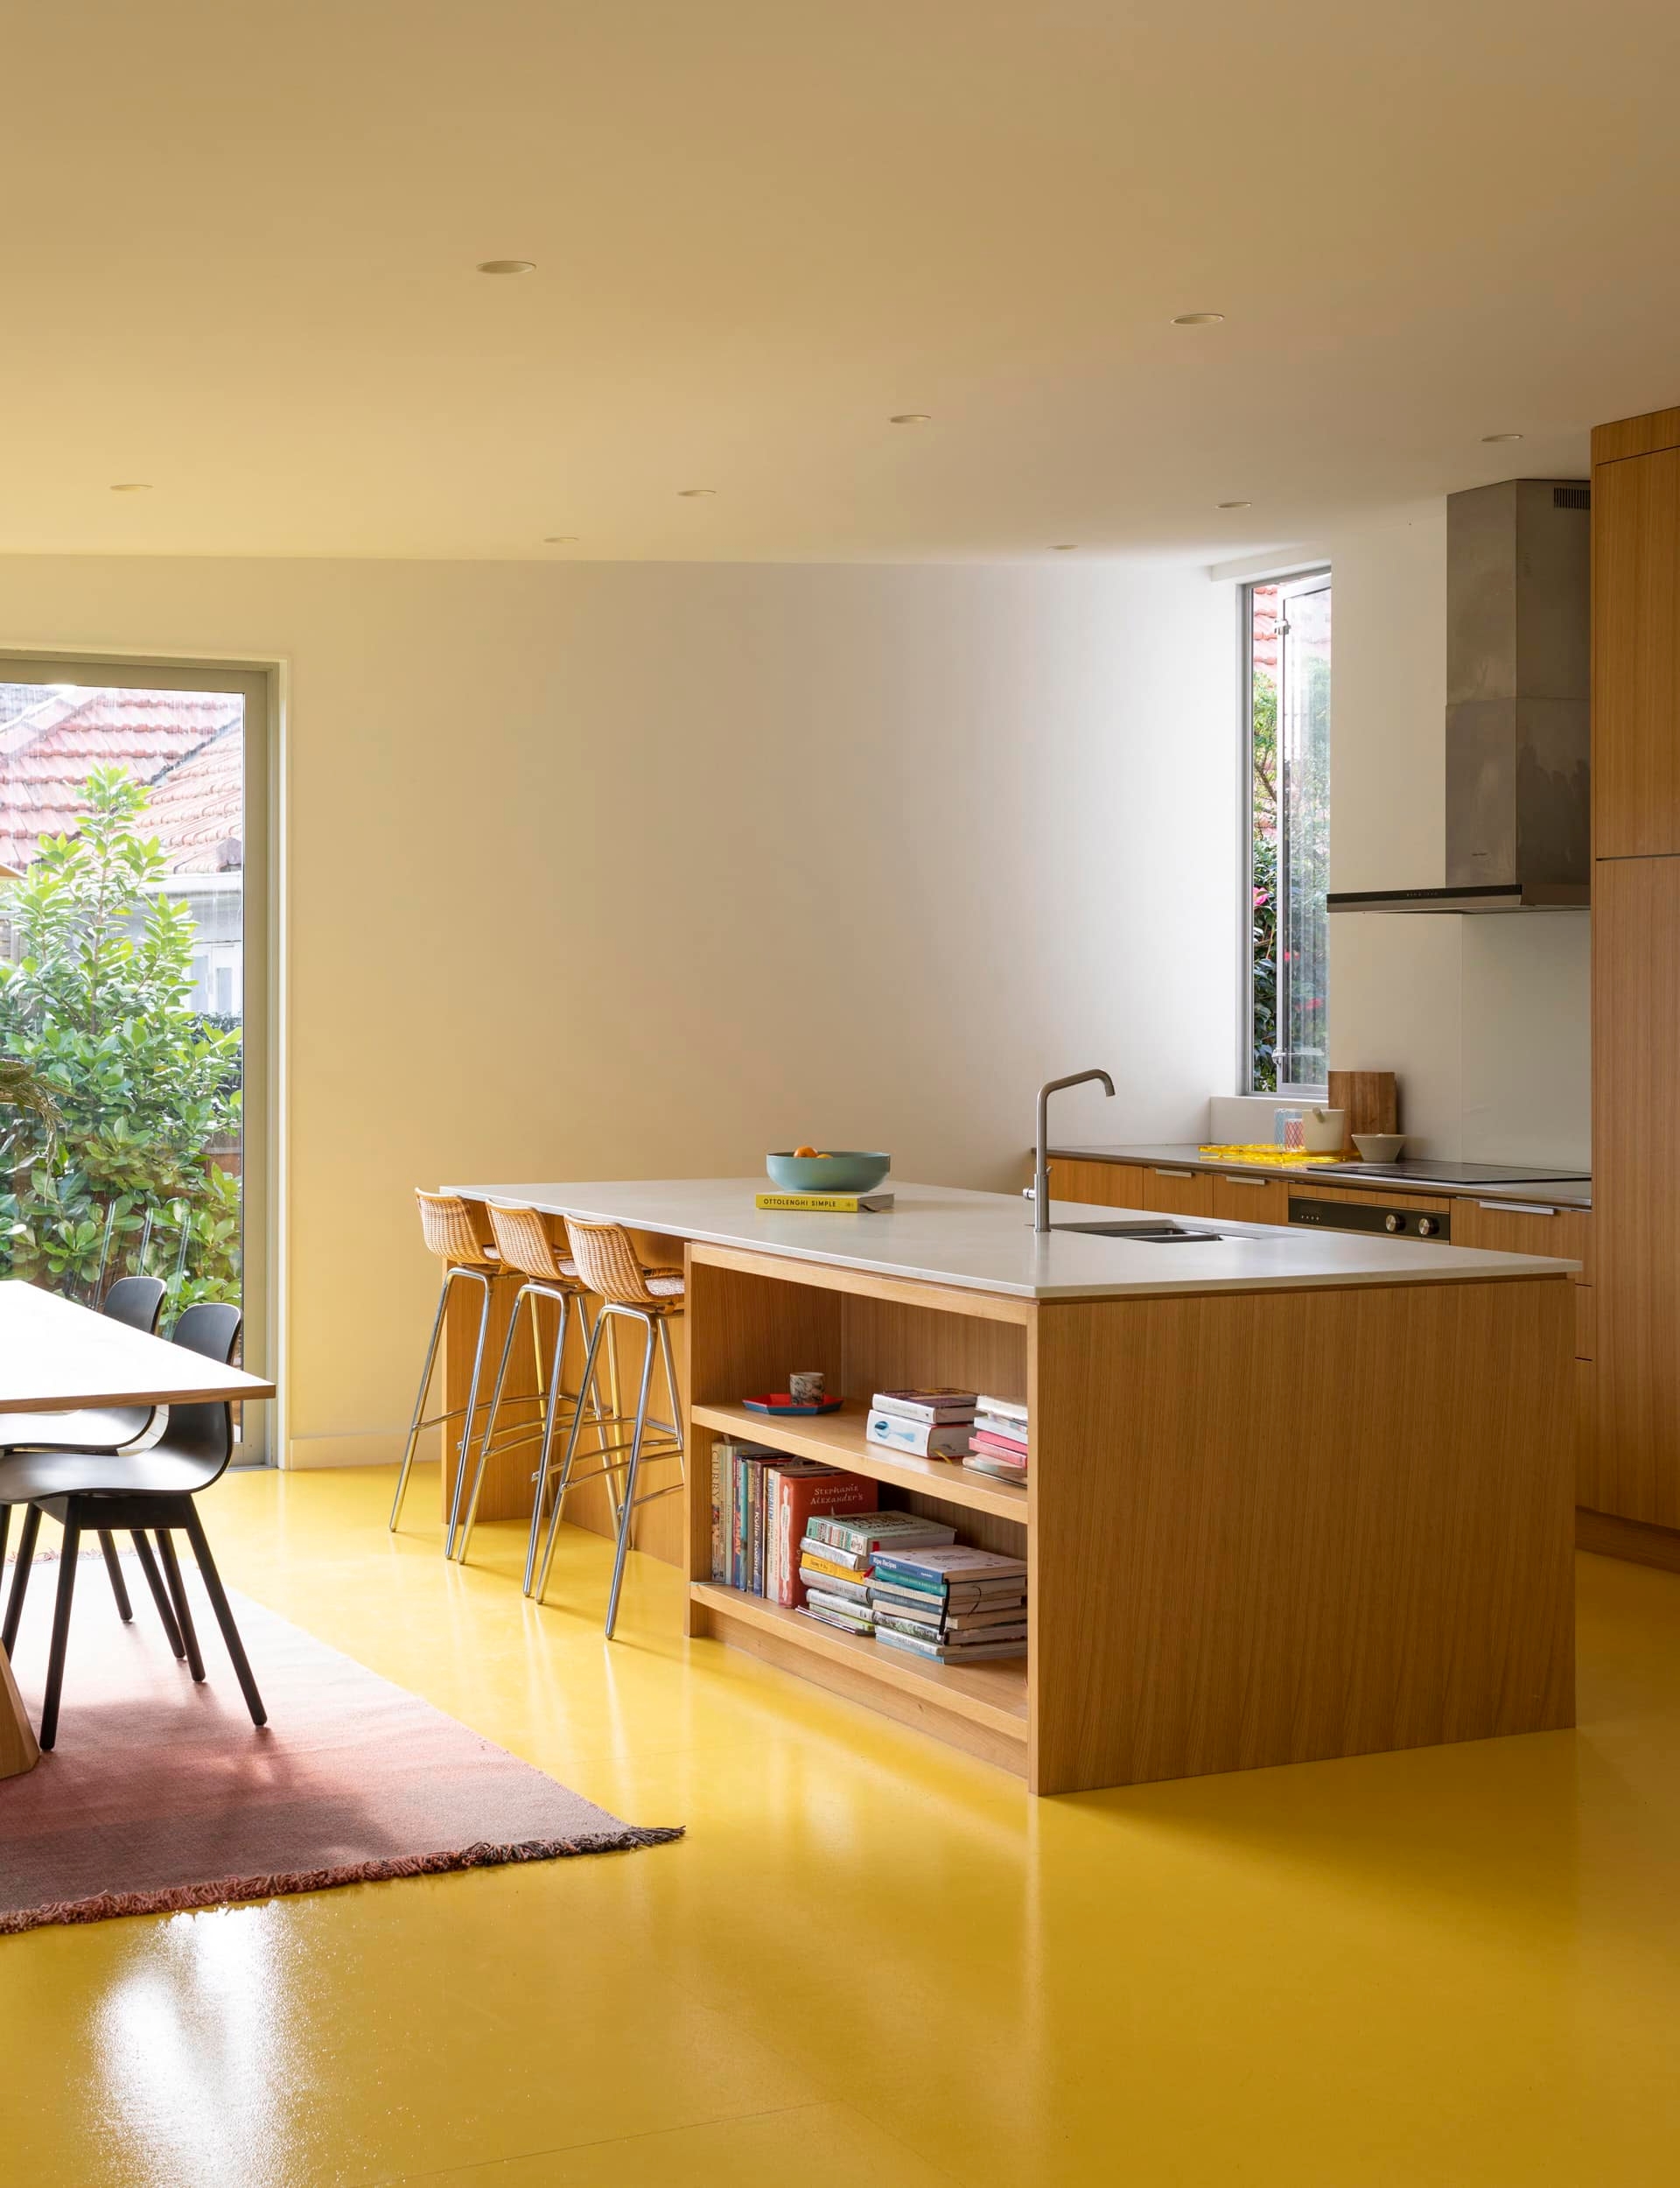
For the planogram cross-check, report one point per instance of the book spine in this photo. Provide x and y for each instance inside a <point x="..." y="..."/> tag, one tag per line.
<point x="932" y="1440"/>
<point x="830" y="1203"/>
<point x="719" y="1467"/>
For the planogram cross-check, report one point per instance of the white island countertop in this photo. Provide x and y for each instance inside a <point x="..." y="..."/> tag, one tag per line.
<point x="984" y="1242"/>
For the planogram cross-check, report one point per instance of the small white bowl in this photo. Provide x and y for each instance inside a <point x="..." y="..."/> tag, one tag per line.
<point x="1379" y="1147"/>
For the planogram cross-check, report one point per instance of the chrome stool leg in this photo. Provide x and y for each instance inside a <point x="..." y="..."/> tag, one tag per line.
<point x="627" y="1505"/>
<point x="595" y="1335"/>
<point x="471" y="1412"/>
<point x="525" y="1292"/>
<point x="420" y="1401"/>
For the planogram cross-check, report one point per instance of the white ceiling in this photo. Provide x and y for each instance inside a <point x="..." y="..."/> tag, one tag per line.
<point x="238" y="245"/>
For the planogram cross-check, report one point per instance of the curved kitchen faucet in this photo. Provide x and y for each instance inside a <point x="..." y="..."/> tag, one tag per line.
<point x="1041" y="1161"/>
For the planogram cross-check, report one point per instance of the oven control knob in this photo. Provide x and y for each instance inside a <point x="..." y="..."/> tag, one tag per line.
<point x="1427" y="1226"/>
<point x="1393" y="1223"/>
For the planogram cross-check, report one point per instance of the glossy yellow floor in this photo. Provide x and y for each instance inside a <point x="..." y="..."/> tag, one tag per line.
<point x="872" y="1963"/>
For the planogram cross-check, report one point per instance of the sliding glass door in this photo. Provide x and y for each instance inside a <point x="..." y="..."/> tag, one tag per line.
<point x="133" y="958"/>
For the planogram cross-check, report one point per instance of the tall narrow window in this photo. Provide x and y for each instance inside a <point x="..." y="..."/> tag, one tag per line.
<point x="1288" y="716"/>
<point x="127" y="971"/>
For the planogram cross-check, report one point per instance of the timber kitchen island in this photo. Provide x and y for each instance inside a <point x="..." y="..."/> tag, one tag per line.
<point x="1290" y="1495"/>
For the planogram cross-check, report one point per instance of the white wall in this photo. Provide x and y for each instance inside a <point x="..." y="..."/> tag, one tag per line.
<point x="1484" y="1018"/>
<point x="640" y="870"/>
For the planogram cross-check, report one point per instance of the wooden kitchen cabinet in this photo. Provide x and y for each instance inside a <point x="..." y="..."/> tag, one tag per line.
<point x="1160" y="1190"/>
<point x="1251" y="1200"/>
<point x="1636" y="1188"/>
<point x="1502" y="1227"/>
<point x="1636" y="651"/>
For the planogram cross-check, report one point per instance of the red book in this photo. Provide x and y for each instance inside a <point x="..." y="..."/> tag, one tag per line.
<point x="983" y="1440"/>
<point x="804" y="1489"/>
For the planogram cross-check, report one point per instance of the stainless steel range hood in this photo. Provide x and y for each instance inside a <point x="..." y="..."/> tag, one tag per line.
<point x="1517" y="661"/>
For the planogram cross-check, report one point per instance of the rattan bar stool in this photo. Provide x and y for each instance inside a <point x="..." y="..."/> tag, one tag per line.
<point x="526" y="1248"/>
<point x="449" y="1232"/>
<point x="608" y="1264"/>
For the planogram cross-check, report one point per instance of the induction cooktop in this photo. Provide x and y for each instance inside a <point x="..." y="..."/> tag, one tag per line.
<point x="1424" y="1170"/>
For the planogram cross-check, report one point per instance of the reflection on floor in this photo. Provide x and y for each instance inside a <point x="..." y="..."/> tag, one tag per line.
<point x="874" y="1963"/>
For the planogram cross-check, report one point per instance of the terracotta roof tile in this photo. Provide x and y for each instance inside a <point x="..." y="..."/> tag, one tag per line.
<point x="184" y="745"/>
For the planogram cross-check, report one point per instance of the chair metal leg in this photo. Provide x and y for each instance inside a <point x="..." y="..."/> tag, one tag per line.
<point x="602" y="1418"/>
<point x="628" y="1508"/>
<point x="49" y="1731"/>
<point x="489" y="1424"/>
<point x="183" y="1608"/>
<point x="601" y="1322"/>
<point x="160" y="1593"/>
<point x="471" y="1415"/>
<point x="5" y="1529"/>
<point x="32" y="1527"/>
<point x="219" y="1603"/>
<point x="420" y="1404"/>
<point x="119" y="1586"/>
<point x="545" y="1453"/>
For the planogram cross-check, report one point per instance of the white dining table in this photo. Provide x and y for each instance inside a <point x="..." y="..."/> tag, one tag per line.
<point x="58" y="1357"/>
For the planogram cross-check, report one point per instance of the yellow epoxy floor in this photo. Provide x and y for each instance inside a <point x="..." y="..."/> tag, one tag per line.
<point x="874" y="1963"/>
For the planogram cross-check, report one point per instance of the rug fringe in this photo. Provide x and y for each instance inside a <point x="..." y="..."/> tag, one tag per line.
<point x="179" y="1898"/>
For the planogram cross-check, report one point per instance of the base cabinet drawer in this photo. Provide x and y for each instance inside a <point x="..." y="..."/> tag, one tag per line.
<point x="1160" y="1190"/>
<point x="1501" y="1228"/>
<point x="1108" y="1184"/>
<point x="1251" y="1200"/>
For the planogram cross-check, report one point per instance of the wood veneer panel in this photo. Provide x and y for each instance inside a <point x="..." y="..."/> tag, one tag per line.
<point x="1250" y="1200"/>
<point x="951" y="1299"/>
<point x="1606" y="1535"/>
<point x="1273" y="1527"/>
<point x="1643" y="436"/>
<point x="1637" y="657"/>
<point x="851" y="1676"/>
<point x="1102" y="1184"/>
<point x="1636" y="1186"/>
<point x="1566" y="1234"/>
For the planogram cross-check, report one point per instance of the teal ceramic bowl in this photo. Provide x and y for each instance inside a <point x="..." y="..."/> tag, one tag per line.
<point x="842" y="1172"/>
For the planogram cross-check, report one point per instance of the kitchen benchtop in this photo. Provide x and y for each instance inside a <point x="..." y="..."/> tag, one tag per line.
<point x="1560" y="1193"/>
<point x="984" y="1242"/>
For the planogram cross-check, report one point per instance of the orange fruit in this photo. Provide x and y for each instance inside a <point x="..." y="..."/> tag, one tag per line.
<point x="804" y="1153"/>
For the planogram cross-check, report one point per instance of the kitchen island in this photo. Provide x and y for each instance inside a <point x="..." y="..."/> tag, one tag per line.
<point x="1292" y="1495"/>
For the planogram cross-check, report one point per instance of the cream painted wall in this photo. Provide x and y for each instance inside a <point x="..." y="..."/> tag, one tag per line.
<point x="1485" y="1019"/>
<point x="641" y="869"/>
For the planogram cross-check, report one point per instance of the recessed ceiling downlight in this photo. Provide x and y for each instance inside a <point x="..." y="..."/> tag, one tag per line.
<point x="1233" y="505"/>
<point x="911" y="418"/>
<point x="1198" y="319"/>
<point x="1064" y="547"/>
<point x="1490" y="438"/>
<point x="695" y="494"/>
<point x="506" y="265"/>
<point x="560" y="539"/>
<point x="133" y="486"/>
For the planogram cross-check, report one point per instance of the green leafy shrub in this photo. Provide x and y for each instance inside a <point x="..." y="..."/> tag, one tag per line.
<point x="97" y="1008"/>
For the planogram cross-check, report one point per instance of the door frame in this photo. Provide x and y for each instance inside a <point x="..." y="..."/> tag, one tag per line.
<point x="262" y="686"/>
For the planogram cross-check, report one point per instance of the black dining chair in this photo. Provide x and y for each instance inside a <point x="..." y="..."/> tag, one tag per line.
<point x="136" y="1302"/>
<point x="101" y="1490"/>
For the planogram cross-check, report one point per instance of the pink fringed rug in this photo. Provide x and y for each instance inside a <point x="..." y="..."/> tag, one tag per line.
<point x="162" y="1795"/>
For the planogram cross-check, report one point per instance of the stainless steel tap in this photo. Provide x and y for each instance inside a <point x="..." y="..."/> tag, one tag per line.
<point x="1041" y="1162"/>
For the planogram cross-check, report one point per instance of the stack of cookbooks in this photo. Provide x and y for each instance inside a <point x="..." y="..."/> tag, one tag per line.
<point x="837" y="1555"/>
<point x="930" y="1424"/>
<point x="997" y="1440"/>
<point x="957" y="1605"/>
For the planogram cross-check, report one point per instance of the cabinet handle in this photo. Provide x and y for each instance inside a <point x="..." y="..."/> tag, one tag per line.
<point x="1517" y="1208"/>
<point x="1260" y="1183"/>
<point x="1160" y="1173"/>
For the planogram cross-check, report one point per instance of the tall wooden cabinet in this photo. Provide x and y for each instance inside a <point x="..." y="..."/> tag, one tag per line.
<point x="1630" y="1456"/>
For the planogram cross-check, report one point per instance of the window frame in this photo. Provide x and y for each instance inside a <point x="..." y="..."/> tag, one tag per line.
<point x="262" y="1182"/>
<point x="1301" y="578"/>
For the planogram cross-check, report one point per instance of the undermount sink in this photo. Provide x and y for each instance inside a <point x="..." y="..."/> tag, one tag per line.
<point x="1165" y="1232"/>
